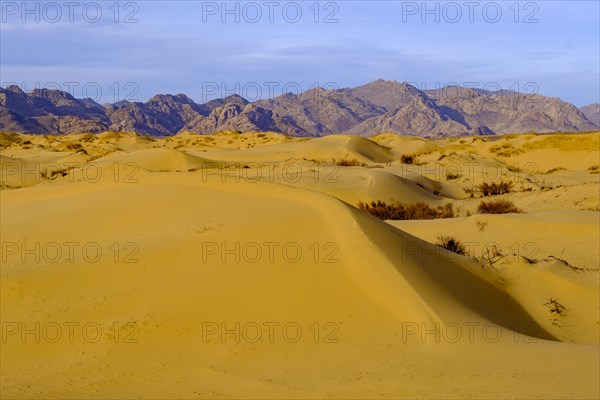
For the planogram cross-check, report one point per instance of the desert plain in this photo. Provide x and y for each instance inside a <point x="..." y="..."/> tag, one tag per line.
<point x="258" y="265"/>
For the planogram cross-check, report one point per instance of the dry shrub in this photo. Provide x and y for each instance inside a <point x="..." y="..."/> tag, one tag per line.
<point x="555" y="307"/>
<point x="398" y="211"/>
<point x="451" y="244"/>
<point x="497" y="207"/>
<point x="73" y="146"/>
<point x="408" y="158"/>
<point x="350" y="163"/>
<point x="505" y="150"/>
<point x="450" y="176"/>
<point x="491" y="189"/>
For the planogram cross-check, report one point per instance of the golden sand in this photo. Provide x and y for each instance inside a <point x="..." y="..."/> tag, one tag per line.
<point x="239" y="266"/>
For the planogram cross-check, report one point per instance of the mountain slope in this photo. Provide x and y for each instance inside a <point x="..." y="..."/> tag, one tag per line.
<point x="592" y="112"/>
<point x="421" y="116"/>
<point x="511" y="112"/>
<point x="49" y="111"/>
<point x="387" y="94"/>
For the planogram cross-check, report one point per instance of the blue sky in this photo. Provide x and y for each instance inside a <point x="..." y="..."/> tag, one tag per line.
<point x="211" y="49"/>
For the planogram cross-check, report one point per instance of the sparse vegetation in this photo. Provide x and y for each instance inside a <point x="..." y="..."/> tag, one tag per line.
<point x="470" y="191"/>
<point x="557" y="169"/>
<point x="481" y="225"/>
<point x="505" y="150"/>
<point x="491" y="253"/>
<point x="450" y="176"/>
<point x="513" y="168"/>
<point x="524" y="188"/>
<point x="565" y="142"/>
<point x="73" y="146"/>
<point x="530" y="260"/>
<point x="555" y="307"/>
<point x="408" y="159"/>
<point x="593" y="169"/>
<point x="451" y="244"/>
<point x="491" y="189"/>
<point x="543" y="186"/>
<point x="398" y="211"/>
<point x="350" y="163"/>
<point x="569" y="265"/>
<point x="497" y="207"/>
<point x="50" y="175"/>
<point x="437" y="188"/>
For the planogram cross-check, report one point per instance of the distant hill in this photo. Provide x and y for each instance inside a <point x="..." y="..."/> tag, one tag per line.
<point x="592" y="112"/>
<point x="380" y="106"/>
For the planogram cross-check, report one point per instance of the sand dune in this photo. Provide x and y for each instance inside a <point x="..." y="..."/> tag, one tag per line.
<point x="188" y="268"/>
<point x="157" y="160"/>
<point x="530" y="267"/>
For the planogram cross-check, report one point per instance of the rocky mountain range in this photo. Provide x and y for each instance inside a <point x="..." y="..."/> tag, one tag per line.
<point x="380" y="106"/>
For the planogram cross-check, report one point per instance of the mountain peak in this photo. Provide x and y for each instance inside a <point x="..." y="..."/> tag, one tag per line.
<point x="169" y="98"/>
<point x="387" y="94"/>
<point x="14" y="89"/>
<point x="235" y="98"/>
<point x="51" y="94"/>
